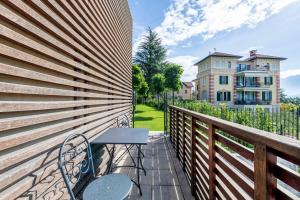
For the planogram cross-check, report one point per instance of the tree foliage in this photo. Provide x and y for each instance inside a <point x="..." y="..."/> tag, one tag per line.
<point x="172" y="75"/>
<point x="158" y="82"/>
<point x="150" y="55"/>
<point x="288" y="100"/>
<point x="137" y="77"/>
<point x="143" y="91"/>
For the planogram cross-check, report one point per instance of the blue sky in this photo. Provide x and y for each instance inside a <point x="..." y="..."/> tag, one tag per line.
<point x="191" y="28"/>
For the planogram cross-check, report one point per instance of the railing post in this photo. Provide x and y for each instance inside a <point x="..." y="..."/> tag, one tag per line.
<point x="271" y="179"/>
<point x="193" y="157"/>
<point x="260" y="172"/>
<point x="297" y="129"/>
<point x="211" y="161"/>
<point x="171" y="118"/>
<point x="177" y="133"/>
<point x="183" y="141"/>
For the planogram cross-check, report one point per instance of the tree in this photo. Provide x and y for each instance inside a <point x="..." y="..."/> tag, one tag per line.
<point x="158" y="82"/>
<point x="137" y="77"/>
<point x="143" y="91"/>
<point x="150" y="56"/>
<point x="173" y="74"/>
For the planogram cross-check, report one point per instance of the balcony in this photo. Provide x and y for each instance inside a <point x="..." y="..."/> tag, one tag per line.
<point x="251" y="68"/>
<point x="251" y="85"/>
<point x="225" y="160"/>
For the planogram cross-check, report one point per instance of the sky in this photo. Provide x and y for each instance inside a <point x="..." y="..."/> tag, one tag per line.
<point x="190" y="29"/>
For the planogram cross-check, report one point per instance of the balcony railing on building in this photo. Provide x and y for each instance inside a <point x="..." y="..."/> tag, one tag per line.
<point x="252" y="102"/>
<point x="244" y="67"/>
<point x="225" y="160"/>
<point x="242" y="85"/>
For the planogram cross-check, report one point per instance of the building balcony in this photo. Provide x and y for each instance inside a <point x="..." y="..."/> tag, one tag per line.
<point x="252" y="87"/>
<point x="251" y="68"/>
<point x="242" y="85"/>
<point x="225" y="160"/>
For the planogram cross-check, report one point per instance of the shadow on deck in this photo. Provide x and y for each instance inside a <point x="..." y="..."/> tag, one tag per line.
<point x="165" y="178"/>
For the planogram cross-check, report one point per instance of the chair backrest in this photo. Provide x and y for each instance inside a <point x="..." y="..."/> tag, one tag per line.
<point x="123" y="122"/>
<point x="75" y="160"/>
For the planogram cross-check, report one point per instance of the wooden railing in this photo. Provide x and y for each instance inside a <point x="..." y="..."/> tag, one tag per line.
<point x="225" y="160"/>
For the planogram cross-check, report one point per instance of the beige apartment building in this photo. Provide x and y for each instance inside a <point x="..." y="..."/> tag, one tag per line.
<point x="224" y="78"/>
<point x="185" y="92"/>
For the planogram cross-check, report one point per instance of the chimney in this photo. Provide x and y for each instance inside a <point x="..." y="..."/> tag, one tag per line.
<point x="253" y="53"/>
<point x="209" y="53"/>
<point x="215" y="50"/>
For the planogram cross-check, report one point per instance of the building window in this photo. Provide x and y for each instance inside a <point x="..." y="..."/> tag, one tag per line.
<point x="267" y="95"/>
<point x="229" y="64"/>
<point x="185" y="91"/>
<point x="223" y="96"/>
<point x="223" y="80"/>
<point x="269" y="80"/>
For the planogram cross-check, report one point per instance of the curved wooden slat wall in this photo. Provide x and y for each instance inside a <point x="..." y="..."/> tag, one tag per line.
<point x="65" y="67"/>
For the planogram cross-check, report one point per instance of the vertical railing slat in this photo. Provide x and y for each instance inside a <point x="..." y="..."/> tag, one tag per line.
<point x="271" y="179"/>
<point x="171" y="126"/>
<point x="193" y="157"/>
<point x="260" y="172"/>
<point x="211" y="161"/>
<point x="177" y="133"/>
<point x="183" y="143"/>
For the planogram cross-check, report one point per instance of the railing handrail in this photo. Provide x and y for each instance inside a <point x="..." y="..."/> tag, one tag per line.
<point x="252" y="135"/>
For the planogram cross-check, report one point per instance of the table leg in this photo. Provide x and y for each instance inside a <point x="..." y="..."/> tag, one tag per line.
<point x="138" y="169"/>
<point x="128" y="150"/>
<point x="111" y="158"/>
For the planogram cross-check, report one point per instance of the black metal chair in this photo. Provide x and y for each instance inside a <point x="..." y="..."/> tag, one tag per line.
<point x="76" y="164"/>
<point x="124" y="122"/>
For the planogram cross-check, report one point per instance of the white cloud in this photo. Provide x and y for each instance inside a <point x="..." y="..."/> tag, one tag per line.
<point x="290" y="72"/>
<point x="187" y="62"/>
<point x="187" y="45"/>
<point x="187" y="18"/>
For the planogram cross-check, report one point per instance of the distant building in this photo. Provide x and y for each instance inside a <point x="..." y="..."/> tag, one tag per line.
<point x="223" y="78"/>
<point x="185" y="92"/>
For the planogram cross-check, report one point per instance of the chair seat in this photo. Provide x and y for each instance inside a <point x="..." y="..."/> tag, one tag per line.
<point x="112" y="186"/>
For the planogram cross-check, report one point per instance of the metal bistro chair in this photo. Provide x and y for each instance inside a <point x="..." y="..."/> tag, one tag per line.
<point x="76" y="162"/>
<point x="125" y="123"/>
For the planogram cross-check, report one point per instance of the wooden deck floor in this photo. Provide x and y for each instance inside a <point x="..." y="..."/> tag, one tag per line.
<point x="165" y="179"/>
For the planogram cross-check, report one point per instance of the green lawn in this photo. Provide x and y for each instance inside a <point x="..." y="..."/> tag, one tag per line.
<point x="148" y="117"/>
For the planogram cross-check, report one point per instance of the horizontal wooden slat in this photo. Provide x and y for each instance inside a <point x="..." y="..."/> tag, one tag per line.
<point x="288" y="176"/>
<point x="245" y="184"/>
<point x="17" y="106"/>
<point x="235" y="146"/>
<point x="245" y="169"/>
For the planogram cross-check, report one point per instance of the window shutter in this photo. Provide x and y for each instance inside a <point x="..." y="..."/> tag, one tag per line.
<point x="220" y="79"/>
<point x="271" y="80"/>
<point x="263" y="96"/>
<point x="226" y="79"/>
<point x="270" y="95"/>
<point x="229" y="96"/>
<point x="218" y="96"/>
<point x="265" y="80"/>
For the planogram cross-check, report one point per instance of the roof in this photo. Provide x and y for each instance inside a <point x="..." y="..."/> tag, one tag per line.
<point x="264" y="56"/>
<point x="188" y="84"/>
<point x="219" y="54"/>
